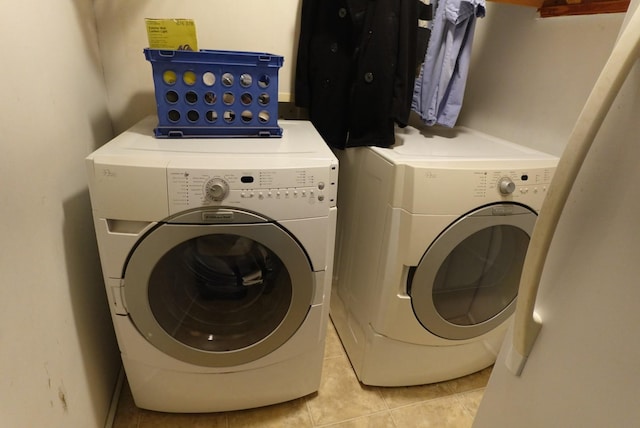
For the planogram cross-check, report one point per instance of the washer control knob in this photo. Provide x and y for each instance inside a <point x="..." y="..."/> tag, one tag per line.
<point x="506" y="186"/>
<point x="217" y="189"/>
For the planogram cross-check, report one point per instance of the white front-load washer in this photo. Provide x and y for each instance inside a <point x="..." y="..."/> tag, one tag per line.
<point x="431" y="239"/>
<point x="217" y="258"/>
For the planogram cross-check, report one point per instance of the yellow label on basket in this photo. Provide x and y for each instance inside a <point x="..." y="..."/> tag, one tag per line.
<point x="172" y="34"/>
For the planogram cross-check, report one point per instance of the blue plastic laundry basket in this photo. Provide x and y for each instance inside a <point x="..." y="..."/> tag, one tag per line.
<point x="213" y="93"/>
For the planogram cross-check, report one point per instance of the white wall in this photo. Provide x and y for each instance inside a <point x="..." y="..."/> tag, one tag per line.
<point x="250" y="25"/>
<point x="58" y="356"/>
<point x="583" y="370"/>
<point x="528" y="80"/>
<point x="530" y="77"/>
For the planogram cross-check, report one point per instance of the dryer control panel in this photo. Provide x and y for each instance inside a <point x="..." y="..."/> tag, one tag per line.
<point x="459" y="190"/>
<point x="513" y="182"/>
<point x="273" y="192"/>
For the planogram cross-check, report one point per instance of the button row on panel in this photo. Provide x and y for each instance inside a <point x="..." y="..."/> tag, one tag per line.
<point x="525" y="190"/>
<point x="281" y="194"/>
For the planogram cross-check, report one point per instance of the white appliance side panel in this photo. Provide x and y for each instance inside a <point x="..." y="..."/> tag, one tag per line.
<point x="362" y="232"/>
<point x="330" y="250"/>
<point x="584" y="368"/>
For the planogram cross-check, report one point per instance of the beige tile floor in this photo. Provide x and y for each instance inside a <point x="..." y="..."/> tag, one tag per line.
<point x="341" y="402"/>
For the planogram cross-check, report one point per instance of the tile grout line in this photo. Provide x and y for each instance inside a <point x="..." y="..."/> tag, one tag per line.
<point x="379" y="412"/>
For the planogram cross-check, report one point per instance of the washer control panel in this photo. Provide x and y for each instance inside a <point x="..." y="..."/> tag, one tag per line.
<point x="266" y="189"/>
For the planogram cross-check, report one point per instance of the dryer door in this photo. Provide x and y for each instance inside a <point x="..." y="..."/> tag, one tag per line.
<point x="466" y="282"/>
<point x="218" y="295"/>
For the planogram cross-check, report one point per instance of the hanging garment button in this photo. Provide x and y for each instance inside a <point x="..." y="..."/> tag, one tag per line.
<point x="342" y="12"/>
<point x="334" y="47"/>
<point x="368" y="77"/>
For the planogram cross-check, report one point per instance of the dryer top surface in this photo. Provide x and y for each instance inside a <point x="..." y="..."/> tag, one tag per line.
<point x="442" y="145"/>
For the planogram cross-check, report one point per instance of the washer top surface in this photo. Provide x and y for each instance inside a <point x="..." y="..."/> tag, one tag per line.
<point x="138" y="146"/>
<point x="443" y="145"/>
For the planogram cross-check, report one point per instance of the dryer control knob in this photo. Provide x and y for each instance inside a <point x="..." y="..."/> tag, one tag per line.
<point x="217" y="189"/>
<point x="506" y="186"/>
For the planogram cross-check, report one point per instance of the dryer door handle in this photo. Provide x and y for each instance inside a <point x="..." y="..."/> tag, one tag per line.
<point x="115" y="291"/>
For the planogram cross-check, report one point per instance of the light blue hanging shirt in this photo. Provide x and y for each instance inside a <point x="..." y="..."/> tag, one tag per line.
<point x="439" y="89"/>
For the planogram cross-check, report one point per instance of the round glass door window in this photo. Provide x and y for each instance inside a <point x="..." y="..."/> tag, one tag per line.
<point x="218" y="295"/>
<point x="220" y="292"/>
<point x="467" y="281"/>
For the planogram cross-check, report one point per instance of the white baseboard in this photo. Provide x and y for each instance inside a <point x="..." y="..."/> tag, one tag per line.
<point x="115" y="399"/>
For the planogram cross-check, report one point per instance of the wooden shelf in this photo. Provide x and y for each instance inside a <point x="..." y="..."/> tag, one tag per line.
<point x="550" y="8"/>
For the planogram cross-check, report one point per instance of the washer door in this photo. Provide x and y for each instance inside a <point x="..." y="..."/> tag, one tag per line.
<point x="467" y="281"/>
<point x="218" y="295"/>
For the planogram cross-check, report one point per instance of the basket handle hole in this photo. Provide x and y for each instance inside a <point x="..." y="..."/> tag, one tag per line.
<point x="264" y="81"/>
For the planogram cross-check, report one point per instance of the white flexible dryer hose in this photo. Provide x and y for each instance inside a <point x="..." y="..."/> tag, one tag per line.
<point x="624" y="55"/>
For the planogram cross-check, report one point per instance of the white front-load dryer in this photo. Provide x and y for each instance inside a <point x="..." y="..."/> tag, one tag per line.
<point x="431" y="240"/>
<point x="217" y="257"/>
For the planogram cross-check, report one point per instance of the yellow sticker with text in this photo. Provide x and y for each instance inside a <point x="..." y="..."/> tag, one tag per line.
<point x="172" y="34"/>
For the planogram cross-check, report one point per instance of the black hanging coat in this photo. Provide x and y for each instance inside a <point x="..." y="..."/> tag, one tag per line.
<point x="356" y="68"/>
